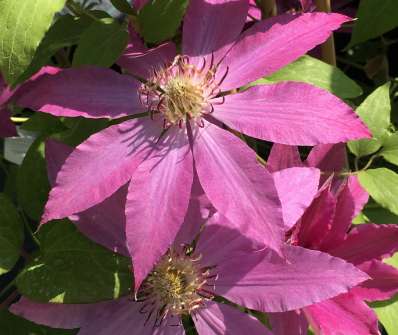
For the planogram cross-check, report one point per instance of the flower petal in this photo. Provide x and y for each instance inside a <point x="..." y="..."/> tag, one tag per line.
<point x="344" y="314"/>
<point x="328" y="157"/>
<point x="383" y="284"/>
<point x="350" y="201"/>
<point x="142" y="64"/>
<point x="366" y="242"/>
<point x="220" y="319"/>
<point x="90" y="92"/>
<point x="288" y="323"/>
<point x="291" y="113"/>
<point x="297" y="188"/>
<point x="282" y="157"/>
<point x="99" y="166"/>
<point x="271" y="44"/>
<point x="157" y="201"/>
<point x="237" y="185"/>
<point x="266" y="282"/>
<point x="211" y="27"/>
<point x="7" y="128"/>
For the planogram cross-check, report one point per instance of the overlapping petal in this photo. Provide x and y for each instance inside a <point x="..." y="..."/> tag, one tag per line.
<point x="7" y="128"/>
<point x="291" y="113"/>
<point x="283" y="156"/>
<point x="237" y="185"/>
<point x="288" y="323"/>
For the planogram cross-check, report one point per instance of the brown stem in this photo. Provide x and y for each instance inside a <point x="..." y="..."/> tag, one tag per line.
<point x="9" y="300"/>
<point x="328" y="49"/>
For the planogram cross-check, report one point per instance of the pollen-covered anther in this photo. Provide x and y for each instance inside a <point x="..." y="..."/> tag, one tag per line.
<point x="175" y="286"/>
<point x="181" y="91"/>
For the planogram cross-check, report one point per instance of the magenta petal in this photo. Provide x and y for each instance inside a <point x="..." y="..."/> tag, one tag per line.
<point x="219" y="319"/>
<point x="239" y="188"/>
<point x="328" y="157"/>
<point x="291" y="113"/>
<point x="271" y="44"/>
<point x="288" y="323"/>
<point x="157" y="201"/>
<point x="265" y="282"/>
<point x="65" y="316"/>
<point x="350" y="201"/>
<point x="99" y="166"/>
<point x="344" y="314"/>
<point x="282" y="157"/>
<point x="7" y="128"/>
<point x="383" y="284"/>
<point x="297" y="188"/>
<point x="212" y="26"/>
<point x="83" y="92"/>
<point x="366" y="242"/>
<point x="142" y="64"/>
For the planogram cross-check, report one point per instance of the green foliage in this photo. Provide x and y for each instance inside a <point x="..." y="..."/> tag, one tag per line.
<point x="24" y="24"/>
<point x="101" y="44"/>
<point x="374" y="19"/>
<point x="382" y="185"/>
<point x="160" y="19"/>
<point x="375" y="112"/>
<point x="11" y="234"/>
<point x="123" y="6"/>
<point x="14" y="325"/>
<point x="313" y="71"/>
<point x="32" y="181"/>
<point x="72" y="269"/>
<point x="390" y="148"/>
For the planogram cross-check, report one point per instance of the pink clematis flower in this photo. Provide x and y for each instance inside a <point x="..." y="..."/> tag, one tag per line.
<point x="7" y="128"/>
<point x="188" y="277"/>
<point x="325" y="225"/>
<point x="159" y="155"/>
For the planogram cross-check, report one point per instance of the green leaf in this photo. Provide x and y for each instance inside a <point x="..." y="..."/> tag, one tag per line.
<point x="43" y="124"/>
<point x="14" y="325"/>
<point x="375" y="112"/>
<point x="11" y="234"/>
<point x="123" y="6"/>
<point x="382" y="185"/>
<point x="390" y="148"/>
<point x="387" y="311"/>
<point x="313" y="71"/>
<point x="101" y="44"/>
<point x="65" y="32"/>
<point x="23" y="25"/>
<point x="73" y="269"/>
<point x="32" y="181"/>
<point x="374" y="19"/>
<point x="160" y="19"/>
<point x="380" y="215"/>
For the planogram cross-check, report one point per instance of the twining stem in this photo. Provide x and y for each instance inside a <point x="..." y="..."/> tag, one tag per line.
<point x="327" y="48"/>
<point x="268" y="8"/>
<point x="9" y="300"/>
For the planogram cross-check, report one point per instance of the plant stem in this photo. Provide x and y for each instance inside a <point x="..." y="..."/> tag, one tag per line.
<point x="29" y="228"/>
<point x="328" y="49"/>
<point x="268" y="8"/>
<point x="9" y="300"/>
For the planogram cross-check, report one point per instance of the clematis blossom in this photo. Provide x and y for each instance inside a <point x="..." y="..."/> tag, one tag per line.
<point x="187" y="105"/>
<point x="185" y="281"/>
<point x="326" y="225"/>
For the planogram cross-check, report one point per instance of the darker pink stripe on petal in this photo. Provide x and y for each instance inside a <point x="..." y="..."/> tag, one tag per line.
<point x="282" y="157"/>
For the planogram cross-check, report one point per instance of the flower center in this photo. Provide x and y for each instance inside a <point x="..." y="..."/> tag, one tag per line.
<point x="176" y="286"/>
<point x="181" y="92"/>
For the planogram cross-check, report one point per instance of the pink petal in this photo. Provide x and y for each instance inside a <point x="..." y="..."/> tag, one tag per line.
<point x="200" y="210"/>
<point x="271" y="44"/>
<point x="211" y="27"/>
<point x="282" y="157"/>
<point x="7" y="128"/>
<point x="297" y="188"/>
<point x="291" y="113"/>
<point x="344" y="314"/>
<point x="366" y="242"/>
<point x="328" y="157"/>
<point x="67" y="316"/>
<point x="218" y="319"/>
<point x="239" y="188"/>
<point x="265" y="282"/>
<point x="99" y="166"/>
<point x="254" y="12"/>
<point x="157" y="201"/>
<point x="138" y="4"/>
<point x="316" y="221"/>
<point x="288" y="323"/>
<point x="142" y="64"/>
<point x="383" y="284"/>
<point x="350" y="202"/>
<point x="89" y="92"/>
